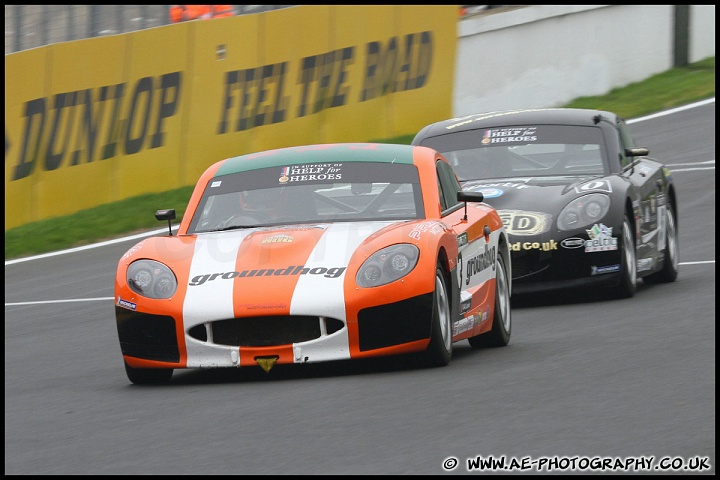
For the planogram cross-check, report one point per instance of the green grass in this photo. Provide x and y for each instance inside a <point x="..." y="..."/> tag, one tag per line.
<point x="673" y="88"/>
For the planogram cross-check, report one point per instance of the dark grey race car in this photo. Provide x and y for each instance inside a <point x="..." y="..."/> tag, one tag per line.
<point x="583" y="205"/>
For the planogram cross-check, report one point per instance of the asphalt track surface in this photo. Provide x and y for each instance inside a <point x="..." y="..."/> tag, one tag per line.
<point x="583" y="381"/>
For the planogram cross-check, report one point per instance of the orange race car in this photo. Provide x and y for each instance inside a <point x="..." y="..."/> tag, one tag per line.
<point x="316" y="253"/>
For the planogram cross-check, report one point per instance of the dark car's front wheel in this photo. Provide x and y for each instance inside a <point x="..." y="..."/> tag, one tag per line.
<point x="148" y="376"/>
<point x="669" y="271"/>
<point x="628" y="262"/>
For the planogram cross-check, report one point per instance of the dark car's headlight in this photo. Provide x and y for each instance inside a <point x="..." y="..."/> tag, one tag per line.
<point x="388" y="265"/>
<point x="583" y="211"/>
<point x="151" y="279"/>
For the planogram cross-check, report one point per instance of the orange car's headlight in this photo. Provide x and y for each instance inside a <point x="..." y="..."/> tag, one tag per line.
<point x="151" y="279"/>
<point x="387" y="265"/>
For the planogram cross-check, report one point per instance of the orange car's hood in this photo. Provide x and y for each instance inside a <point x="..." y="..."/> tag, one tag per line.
<point x="272" y="270"/>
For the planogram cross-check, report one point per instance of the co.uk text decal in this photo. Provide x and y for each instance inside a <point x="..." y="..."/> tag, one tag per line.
<point x="83" y="126"/>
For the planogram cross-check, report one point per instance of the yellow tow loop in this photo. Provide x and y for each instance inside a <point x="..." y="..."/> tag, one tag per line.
<point x="267" y="363"/>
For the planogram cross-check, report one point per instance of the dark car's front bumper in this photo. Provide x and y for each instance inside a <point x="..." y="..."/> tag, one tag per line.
<point x="544" y="266"/>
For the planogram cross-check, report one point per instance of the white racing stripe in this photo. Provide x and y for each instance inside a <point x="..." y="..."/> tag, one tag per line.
<point x="315" y="294"/>
<point x="334" y="249"/>
<point x="213" y="253"/>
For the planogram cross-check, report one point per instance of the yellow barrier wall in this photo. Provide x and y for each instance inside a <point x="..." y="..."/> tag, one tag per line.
<point x="100" y="120"/>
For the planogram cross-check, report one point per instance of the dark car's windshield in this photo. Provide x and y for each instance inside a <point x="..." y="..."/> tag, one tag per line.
<point x="348" y="192"/>
<point x="543" y="150"/>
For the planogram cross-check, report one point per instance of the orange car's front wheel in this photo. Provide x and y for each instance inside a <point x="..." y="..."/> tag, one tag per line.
<point x="439" y="350"/>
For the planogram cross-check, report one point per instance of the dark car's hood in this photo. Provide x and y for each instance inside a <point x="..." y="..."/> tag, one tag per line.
<point x="537" y="194"/>
<point x="529" y="206"/>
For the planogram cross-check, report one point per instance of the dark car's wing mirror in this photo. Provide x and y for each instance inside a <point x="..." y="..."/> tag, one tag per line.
<point x="637" y="152"/>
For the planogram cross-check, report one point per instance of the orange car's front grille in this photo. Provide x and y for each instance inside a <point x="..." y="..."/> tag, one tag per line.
<point x="271" y="330"/>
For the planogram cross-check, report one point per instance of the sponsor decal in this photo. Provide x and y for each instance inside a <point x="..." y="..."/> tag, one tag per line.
<point x="261" y="306"/>
<point x="433" y="227"/>
<point x="310" y="172"/>
<point x="573" y="242"/>
<point x="480" y="262"/>
<point x="465" y="306"/>
<point x="469" y="322"/>
<point x="544" y="246"/>
<point x="280" y="238"/>
<point x="605" y="269"/>
<point x="520" y="222"/>
<point x="491" y="192"/>
<point x="462" y="239"/>
<point x="126" y="304"/>
<point x="333" y="272"/>
<point x="505" y="135"/>
<point x="463" y="325"/>
<point x="132" y="250"/>
<point x="517" y="186"/>
<point x="594" y="185"/>
<point x="601" y="239"/>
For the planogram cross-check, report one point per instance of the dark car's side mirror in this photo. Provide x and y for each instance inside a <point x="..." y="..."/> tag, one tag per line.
<point x="637" y="151"/>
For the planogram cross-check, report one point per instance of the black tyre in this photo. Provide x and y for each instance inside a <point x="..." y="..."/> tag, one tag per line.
<point x="499" y="334"/>
<point x="628" y="262"/>
<point x="439" y="350"/>
<point x="669" y="271"/>
<point x="148" y="376"/>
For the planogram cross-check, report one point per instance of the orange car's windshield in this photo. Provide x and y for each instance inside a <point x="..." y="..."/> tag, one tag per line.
<point x="243" y="200"/>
